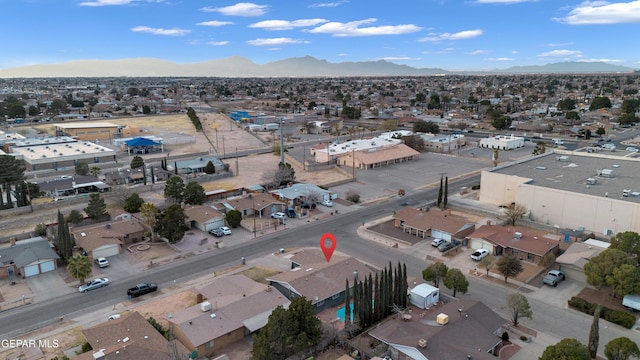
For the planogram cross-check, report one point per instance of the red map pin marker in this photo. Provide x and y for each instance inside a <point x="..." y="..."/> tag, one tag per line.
<point x="328" y="250"/>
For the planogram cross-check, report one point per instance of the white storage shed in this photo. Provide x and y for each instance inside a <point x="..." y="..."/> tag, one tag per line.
<point x="424" y="296"/>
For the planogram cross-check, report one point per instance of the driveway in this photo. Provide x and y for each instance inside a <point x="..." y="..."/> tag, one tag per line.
<point x="50" y="285"/>
<point x="119" y="268"/>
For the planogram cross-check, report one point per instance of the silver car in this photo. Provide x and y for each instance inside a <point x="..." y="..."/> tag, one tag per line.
<point x="93" y="284"/>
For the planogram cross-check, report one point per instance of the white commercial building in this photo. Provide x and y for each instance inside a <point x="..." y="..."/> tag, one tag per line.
<point x="502" y="142"/>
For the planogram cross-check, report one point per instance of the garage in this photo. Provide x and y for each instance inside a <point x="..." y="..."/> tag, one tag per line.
<point x="214" y="224"/>
<point x="106" y="251"/>
<point x="476" y="244"/>
<point x="438" y="234"/>
<point x="31" y="270"/>
<point x="47" y="265"/>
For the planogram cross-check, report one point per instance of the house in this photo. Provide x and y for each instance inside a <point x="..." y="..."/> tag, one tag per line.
<point x="573" y="259"/>
<point x="434" y="222"/>
<point x="438" y="334"/>
<point x="259" y="204"/>
<point x="107" y="239"/>
<point x="378" y="157"/>
<point x="235" y="307"/>
<point x="27" y="257"/>
<point x="522" y="242"/>
<point x="196" y="165"/>
<point x="321" y="282"/>
<point x="131" y="337"/>
<point x="502" y="142"/>
<point x="297" y="194"/>
<point x="203" y="217"/>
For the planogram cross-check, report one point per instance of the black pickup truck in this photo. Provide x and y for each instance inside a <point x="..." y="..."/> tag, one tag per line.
<point x="141" y="289"/>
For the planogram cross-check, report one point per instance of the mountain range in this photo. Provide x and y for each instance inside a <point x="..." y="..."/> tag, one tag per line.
<point x="307" y="66"/>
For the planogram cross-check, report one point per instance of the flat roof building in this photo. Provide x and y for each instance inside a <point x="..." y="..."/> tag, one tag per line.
<point x="56" y="153"/>
<point x="86" y="130"/>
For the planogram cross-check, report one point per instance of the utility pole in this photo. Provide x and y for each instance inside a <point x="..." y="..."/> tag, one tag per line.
<point x="224" y="152"/>
<point x="304" y="158"/>
<point x="237" y="168"/>
<point x="353" y="163"/>
<point x="281" y="141"/>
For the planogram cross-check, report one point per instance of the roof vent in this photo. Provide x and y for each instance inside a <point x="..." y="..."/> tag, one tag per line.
<point x="422" y="343"/>
<point x="205" y="306"/>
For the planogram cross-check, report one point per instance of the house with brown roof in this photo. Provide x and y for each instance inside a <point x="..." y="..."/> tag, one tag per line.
<point x="378" y="157"/>
<point x="522" y="242"/>
<point x="203" y="217"/>
<point x="321" y="282"/>
<point x="433" y="222"/>
<point x="130" y="337"/>
<point x="235" y="307"/>
<point x="573" y="259"/>
<point x="259" y="204"/>
<point x="454" y="331"/>
<point x="107" y="239"/>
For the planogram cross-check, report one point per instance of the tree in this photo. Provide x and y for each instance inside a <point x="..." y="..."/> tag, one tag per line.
<point x="63" y="238"/>
<point x="456" y="281"/>
<point x="515" y="212"/>
<point x="95" y="171"/>
<point x="509" y="266"/>
<point x="600" y="102"/>
<point x="174" y="188"/>
<point x="625" y="280"/>
<point x="347" y="304"/>
<point x="566" y="349"/>
<point x="594" y="333"/>
<point x="445" y="194"/>
<point x="11" y="170"/>
<point x="600" y="269"/>
<point x="389" y="125"/>
<point x="82" y="168"/>
<point x="193" y="194"/>
<point x="421" y="126"/>
<point x="288" y="331"/>
<point x="601" y="131"/>
<point x="440" y="192"/>
<point x="414" y="141"/>
<point x="282" y="176"/>
<point x="233" y="217"/>
<point x="435" y="272"/>
<point x="80" y="267"/>
<point x="627" y="241"/>
<point x="137" y="162"/>
<point x="146" y="109"/>
<point x="502" y="122"/>
<point x="540" y="148"/>
<point x="487" y="263"/>
<point x="75" y="217"/>
<point x="149" y="214"/>
<point x="133" y="203"/>
<point x="518" y="306"/>
<point x="96" y="208"/>
<point x="40" y="230"/>
<point x="171" y="224"/>
<point x="621" y="349"/>
<point x="209" y="168"/>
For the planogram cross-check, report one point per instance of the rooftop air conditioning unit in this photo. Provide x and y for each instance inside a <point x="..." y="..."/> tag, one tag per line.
<point x="442" y="319"/>
<point x="205" y="306"/>
<point x="517" y="235"/>
<point x="422" y="343"/>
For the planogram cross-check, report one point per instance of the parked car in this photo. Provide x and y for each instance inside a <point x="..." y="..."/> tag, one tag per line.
<point x="216" y="232"/>
<point x="290" y="213"/>
<point x="93" y="284"/>
<point x="632" y="149"/>
<point x="479" y="254"/>
<point x="102" y="262"/>
<point x="437" y="242"/>
<point x="553" y="277"/>
<point x="309" y="205"/>
<point x="327" y="203"/>
<point x="631" y="302"/>
<point x="113" y="317"/>
<point x="225" y="230"/>
<point x="445" y="246"/>
<point x="278" y="215"/>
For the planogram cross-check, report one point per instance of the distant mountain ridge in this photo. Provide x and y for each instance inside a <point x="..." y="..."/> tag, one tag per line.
<point x="307" y="66"/>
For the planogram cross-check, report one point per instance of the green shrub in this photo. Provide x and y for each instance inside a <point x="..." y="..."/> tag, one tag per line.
<point x="353" y="196"/>
<point x="618" y="317"/>
<point x="86" y="347"/>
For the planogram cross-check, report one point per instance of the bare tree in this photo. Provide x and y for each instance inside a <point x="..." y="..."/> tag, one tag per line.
<point x="515" y="212"/>
<point x="487" y="262"/>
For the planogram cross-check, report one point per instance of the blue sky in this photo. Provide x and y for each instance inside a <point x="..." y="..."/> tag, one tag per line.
<point x="448" y="34"/>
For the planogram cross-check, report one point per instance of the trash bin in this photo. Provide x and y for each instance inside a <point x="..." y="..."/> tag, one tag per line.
<point x="242" y="260"/>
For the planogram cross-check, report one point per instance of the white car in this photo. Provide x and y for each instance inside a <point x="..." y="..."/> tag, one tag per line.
<point x="225" y="230"/>
<point x="93" y="284"/>
<point x="278" y="215"/>
<point x="632" y="149"/>
<point x="327" y="203"/>
<point x="437" y="242"/>
<point x="479" y="254"/>
<point x="102" y="262"/>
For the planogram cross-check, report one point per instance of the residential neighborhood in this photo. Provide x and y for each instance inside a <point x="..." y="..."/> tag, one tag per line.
<point x="451" y="197"/>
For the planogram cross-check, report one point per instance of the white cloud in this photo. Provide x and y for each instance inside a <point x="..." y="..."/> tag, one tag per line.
<point x="500" y="59"/>
<point x="287" y="25"/>
<point x="276" y="41"/>
<point x="559" y="44"/>
<point x="239" y="9"/>
<point x="217" y="43"/>
<point x="160" y="31"/>
<point x="462" y="35"/>
<point x="603" y="12"/>
<point x="502" y="1"/>
<point x="602" y="60"/>
<point x="477" y="52"/>
<point x="562" y="54"/>
<point x="215" y="23"/>
<point x="353" y="28"/>
<point x="113" y="2"/>
<point x="327" y="5"/>
<point x="397" y="58"/>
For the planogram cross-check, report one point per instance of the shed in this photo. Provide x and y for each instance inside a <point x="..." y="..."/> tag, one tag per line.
<point x="424" y="296"/>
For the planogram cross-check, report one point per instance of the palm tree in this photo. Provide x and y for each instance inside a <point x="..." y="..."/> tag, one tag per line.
<point x="80" y="267"/>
